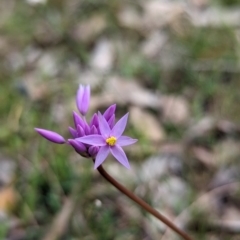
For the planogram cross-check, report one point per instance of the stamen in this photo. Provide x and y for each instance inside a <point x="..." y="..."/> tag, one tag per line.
<point x="111" y="141"/>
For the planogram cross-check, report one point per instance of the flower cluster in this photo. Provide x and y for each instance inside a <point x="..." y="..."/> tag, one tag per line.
<point x="97" y="138"/>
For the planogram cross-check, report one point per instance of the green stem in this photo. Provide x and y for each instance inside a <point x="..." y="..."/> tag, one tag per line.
<point x="142" y="203"/>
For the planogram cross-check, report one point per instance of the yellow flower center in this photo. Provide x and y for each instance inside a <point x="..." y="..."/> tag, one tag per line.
<point x="111" y="141"/>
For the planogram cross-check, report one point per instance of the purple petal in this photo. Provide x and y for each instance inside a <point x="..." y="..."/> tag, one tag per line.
<point x="83" y="98"/>
<point x="79" y="98"/>
<point x="101" y="156"/>
<point x="111" y="121"/>
<point x="73" y="132"/>
<point x="93" y="130"/>
<point x="95" y="140"/>
<point x="120" y="155"/>
<point x="80" y="131"/>
<point x="78" y="120"/>
<point x="94" y="120"/>
<point x="78" y="146"/>
<point x="51" y="136"/>
<point x="119" y="127"/>
<point x="124" y="141"/>
<point x="93" y="150"/>
<point x="109" y="112"/>
<point x="103" y="126"/>
<point x="87" y="129"/>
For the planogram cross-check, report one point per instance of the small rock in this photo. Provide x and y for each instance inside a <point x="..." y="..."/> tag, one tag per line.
<point x="36" y="2"/>
<point x="33" y="87"/>
<point x="48" y="64"/>
<point x="202" y="128"/>
<point x="152" y="46"/>
<point x="153" y="168"/>
<point x="216" y="17"/>
<point x="201" y="4"/>
<point x="130" y="18"/>
<point x="89" y="29"/>
<point x="224" y="176"/>
<point x="15" y="61"/>
<point x="226" y="152"/>
<point x="102" y="56"/>
<point x="32" y="55"/>
<point x="175" y="192"/>
<point x="161" y="13"/>
<point x="146" y="124"/>
<point x="125" y="91"/>
<point x="7" y="170"/>
<point x="159" y="166"/>
<point x="175" y="109"/>
<point x="205" y="156"/>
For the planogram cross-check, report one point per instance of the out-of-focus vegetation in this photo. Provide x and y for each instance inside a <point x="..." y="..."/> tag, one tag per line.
<point x="173" y="65"/>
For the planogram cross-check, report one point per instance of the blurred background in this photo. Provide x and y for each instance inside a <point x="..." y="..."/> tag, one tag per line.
<point x="174" y="65"/>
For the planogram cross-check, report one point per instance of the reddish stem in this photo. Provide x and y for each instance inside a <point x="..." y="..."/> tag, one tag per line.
<point x="142" y="203"/>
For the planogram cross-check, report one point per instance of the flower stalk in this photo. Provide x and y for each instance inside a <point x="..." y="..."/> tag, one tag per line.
<point x="142" y="203"/>
<point x="99" y="138"/>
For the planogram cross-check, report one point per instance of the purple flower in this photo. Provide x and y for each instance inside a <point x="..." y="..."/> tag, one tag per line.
<point x="99" y="137"/>
<point x="83" y="98"/>
<point x="110" y="140"/>
<point x="51" y="136"/>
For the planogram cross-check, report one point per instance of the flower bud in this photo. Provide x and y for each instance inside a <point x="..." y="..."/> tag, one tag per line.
<point x="109" y="112"/>
<point x="51" y="136"/>
<point x="78" y="120"/>
<point x="93" y="130"/>
<point x="73" y="132"/>
<point x="93" y="150"/>
<point x="111" y="121"/>
<point x="87" y="129"/>
<point x="78" y="146"/>
<point x="80" y="131"/>
<point x="94" y="120"/>
<point x="83" y="98"/>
